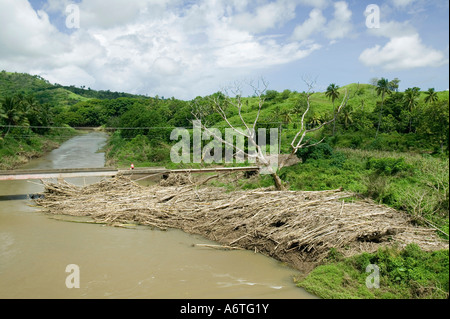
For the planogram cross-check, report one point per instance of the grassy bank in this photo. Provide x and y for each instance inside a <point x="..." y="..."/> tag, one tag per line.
<point x="403" y="274"/>
<point x="19" y="147"/>
<point x="139" y="150"/>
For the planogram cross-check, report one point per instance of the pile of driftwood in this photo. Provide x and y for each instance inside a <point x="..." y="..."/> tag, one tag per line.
<point x="297" y="227"/>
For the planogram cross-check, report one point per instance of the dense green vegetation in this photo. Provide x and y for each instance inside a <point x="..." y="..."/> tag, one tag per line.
<point x="403" y="274"/>
<point x="375" y="118"/>
<point x="45" y="92"/>
<point x="387" y="145"/>
<point x="28" y="108"/>
<point x="36" y="115"/>
<point x="20" y="84"/>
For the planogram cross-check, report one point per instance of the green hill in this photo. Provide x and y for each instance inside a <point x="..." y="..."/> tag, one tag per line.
<point x="25" y="84"/>
<point x="12" y="83"/>
<point x="363" y="97"/>
<point x="101" y="95"/>
<point x="278" y="105"/>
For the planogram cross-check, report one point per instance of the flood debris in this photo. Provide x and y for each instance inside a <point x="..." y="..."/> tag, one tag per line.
<point x="295" y="227"/>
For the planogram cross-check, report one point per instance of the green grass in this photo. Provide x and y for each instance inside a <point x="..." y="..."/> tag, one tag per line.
<point x="138" y="150"/>
<point x="12" y="83"/>
<point x="58" y="96"/>
<point x="319" y="104"/>
<point x="403" y="274"/>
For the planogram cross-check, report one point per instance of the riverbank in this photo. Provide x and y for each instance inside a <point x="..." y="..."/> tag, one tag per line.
<point x="409" y="273"/>
<point x="301" y="229"/>
<point x="17" y="150"/>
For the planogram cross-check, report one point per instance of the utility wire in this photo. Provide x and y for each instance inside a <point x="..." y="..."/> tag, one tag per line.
<point x="120" y="128"/>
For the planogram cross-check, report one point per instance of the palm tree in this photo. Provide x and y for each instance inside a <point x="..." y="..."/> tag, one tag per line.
<point x="300" y="106"/>
<point x="2" y="113"/>
<point x="431" y="96"/>
<point x="286" y="116"/>
<point x="12" y="113"/>
<point x="393" y="85"/>
<point x="382" y="89"/>
<point x="30" y="104"/>
<point x="347" y="116"/>
<point x="333" y="93"/>
<point x="315" y="119"/>
<point x="411" y="96"/>
<point x="277" y="114"/>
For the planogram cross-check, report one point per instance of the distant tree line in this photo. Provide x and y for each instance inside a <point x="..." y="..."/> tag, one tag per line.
<point x="408" y="120"/>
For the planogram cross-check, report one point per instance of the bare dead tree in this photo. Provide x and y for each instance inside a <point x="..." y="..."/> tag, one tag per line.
<point x="220" y="103"/>
<point x="298" y="141"/>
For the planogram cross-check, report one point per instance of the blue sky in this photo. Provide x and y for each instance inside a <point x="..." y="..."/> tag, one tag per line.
<point x="190" y="48"/>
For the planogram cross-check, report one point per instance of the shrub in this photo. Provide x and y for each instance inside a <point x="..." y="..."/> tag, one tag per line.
<point x="388" y="166"/>
<point x="319" y="151"/>
<point x="377" y="186"/>
<point x="407" y="273"/>
<point x="338" y="159"/>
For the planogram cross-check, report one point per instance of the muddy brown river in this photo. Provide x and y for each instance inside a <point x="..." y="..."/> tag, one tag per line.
<point x="35" y="250"/>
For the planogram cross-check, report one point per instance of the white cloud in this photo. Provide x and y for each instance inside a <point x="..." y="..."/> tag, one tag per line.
<point x="26" y="32"/>
<point x="67" y="74"/>
<point x="314" y="23"/>
<point x="56" y="5"/>
<point x="415" y="8"/>
<point x="337" y="28"/>
<point x="101" y="14"/>
<point x="267" y="16"/>
<point x="321" y="4"/>
<point x="166" y="66"/>
<point x="402" y="3"/>
<point x="403" y="52"/>
<point x="392" y="29"/>
<point x="340" y="26"/>
<point x="164" y="47"/>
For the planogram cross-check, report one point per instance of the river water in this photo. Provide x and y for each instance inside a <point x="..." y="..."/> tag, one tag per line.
<point x="35" y="250"/>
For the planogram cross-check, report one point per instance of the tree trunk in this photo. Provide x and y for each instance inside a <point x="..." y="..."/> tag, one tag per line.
<point x="278" y="183"/>
<point x="380" y="116"/>
<point x="410" y="124"/>
<point x="410" y="119"/>
<point x="334" y="123"/>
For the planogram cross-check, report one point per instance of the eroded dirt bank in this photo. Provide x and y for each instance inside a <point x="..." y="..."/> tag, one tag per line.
<point x="295" y="227"/>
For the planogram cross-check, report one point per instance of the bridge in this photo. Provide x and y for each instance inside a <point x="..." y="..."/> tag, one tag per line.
<point x="9" y="175"/>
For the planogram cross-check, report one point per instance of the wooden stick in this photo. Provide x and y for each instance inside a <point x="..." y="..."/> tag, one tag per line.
<point x="221" y="247"/>
<point x="234" y="241"/>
